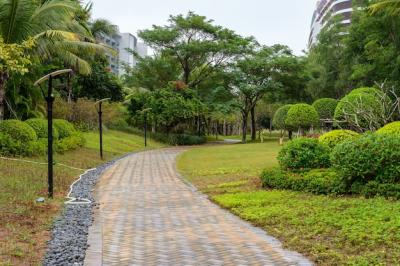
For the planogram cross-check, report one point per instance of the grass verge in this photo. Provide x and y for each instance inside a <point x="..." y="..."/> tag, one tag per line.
<point x="25" y="224"/>
<point x="328" y="230"/>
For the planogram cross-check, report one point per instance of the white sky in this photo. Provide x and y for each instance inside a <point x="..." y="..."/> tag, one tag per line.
<point x="270" y="21"/>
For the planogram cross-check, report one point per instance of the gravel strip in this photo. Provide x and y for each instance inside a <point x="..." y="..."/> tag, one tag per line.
<point x="70" y="230"/>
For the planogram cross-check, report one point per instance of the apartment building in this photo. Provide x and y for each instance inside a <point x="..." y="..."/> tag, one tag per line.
<point x="122" y="43"/>
<point x="325" y="10"/>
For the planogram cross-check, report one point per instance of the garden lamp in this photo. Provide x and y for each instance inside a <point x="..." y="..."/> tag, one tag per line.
<point x="145" y="111"/>
<point x="98" y="105"/>
<point x="50" y="100"/>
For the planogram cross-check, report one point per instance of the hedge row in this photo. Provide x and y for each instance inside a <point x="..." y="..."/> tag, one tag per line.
<point x="367" y="164"/>
<point x="179" y="139"/>
<point x="29" y="138"/>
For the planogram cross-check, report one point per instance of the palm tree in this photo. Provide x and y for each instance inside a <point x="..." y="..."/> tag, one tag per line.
<point x="103" y="26"/>
<point x="54" y="29"/>
<point x="391" y="6"/>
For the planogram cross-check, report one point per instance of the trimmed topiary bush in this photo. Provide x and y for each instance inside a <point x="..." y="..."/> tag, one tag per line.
<point x="18" y="130"/>
<point x="65" y="129"/>
<point x="369" y="157"/>
<point x="336" y="137"/>
<point x="304" y="153"/>
<point x="362" y="109"/>
<point x="278" y="122"/>
<point x="72" y="142"/>
<point x="325" y="107"/>
<point x="302" y="116"/>
<point x="40" y="127"/>
<point x="392" y="128"/>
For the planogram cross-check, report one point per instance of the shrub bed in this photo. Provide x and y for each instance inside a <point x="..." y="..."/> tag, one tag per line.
<point x="65" y="129"/>
<point x="304" y="153"/>
<point x="319" y="181"/>
<point x="40" y="127"/>
<point x="179" y="139"/>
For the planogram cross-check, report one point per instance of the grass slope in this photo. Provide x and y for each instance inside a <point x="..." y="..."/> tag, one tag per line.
<point x="329" y="230"/>
<point x="25" y="224"/>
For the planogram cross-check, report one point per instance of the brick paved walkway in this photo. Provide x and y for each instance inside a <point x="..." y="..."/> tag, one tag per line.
<point x="149" y="216"/>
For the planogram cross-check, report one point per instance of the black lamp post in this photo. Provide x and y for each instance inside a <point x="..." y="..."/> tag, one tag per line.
<point x="145" y="111"/>
<point x="50" y="100"/>
<point x="98" y="105"/>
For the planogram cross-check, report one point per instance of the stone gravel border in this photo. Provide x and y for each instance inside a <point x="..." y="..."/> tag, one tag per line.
<point x="70" y="230"/>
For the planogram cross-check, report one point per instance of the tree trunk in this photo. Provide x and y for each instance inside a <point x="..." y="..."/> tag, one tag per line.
<point x="3" y="80"/>
<point x="245" y="116"/>
<point x="290" y="134"/>
<point x="253" y="124"/>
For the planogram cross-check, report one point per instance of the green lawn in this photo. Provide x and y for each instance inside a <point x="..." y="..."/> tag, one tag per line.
<point x="24" y="224"/>
<point x="328" y="230"/>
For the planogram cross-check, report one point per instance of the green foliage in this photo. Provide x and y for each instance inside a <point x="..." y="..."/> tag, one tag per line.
<point x="392" y="128"/>
<point x="325" y="107"/>
<point x="318" y="181"/>
<point x="374" y="188"/>
<point x="362" y="109"/>
<point x="71" y="142"/>
<point x="302" y="116"/>
<point x="40" y="127"/>
<point x="18" y="130"/>
<point x="370" y="157"/>
<point x="304" y="153"/>
<point x="280" y="117"/>
<point x="179" y="139"/>
<point x="336" y="137"/>
<point x="100" y="84"/>
<point x="65" y="129"/>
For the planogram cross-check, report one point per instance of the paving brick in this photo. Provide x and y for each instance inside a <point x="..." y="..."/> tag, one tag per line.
<point x="149" y="216"/>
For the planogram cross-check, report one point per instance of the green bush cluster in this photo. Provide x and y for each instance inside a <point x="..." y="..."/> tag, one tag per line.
<point x="392" y="128"/>
<point x="40" y="127"/>
<point x="302" y="116"/>
<point x="370" y="157"/>
<point x="304" y="153"/>
<point x="179" y="139"/>
<point x="65" y="129"/>
<point x="325" y="107"/>
<point x="336" y="137"/>
<point x="29" y="138"/>
<point x="280" y="115"/>
<point x="318" y="181"/>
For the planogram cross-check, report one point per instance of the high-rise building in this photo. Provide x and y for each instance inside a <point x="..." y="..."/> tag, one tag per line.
<point x="122" y="43"/>
<point x="325" y="10"/>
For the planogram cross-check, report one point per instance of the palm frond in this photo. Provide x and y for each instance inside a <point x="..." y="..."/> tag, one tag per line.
<point x="392" y="7"/>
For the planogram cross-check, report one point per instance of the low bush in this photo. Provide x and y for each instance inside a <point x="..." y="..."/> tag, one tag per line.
<point x="392" y="128"/>
<point x="336" y="137"/>
<point x="374" y="188"/>
<point x="18" y="130"/>
<point x="325" y="107"/>
<point x="304" y="153"/>
<point x="40" y="127"/>
<point x="320" y="181"/>
<point x="179" y="139"/>
<point x="72" y="142"/>
<point x="372" y="157"/>
<point x="65" y="129"/>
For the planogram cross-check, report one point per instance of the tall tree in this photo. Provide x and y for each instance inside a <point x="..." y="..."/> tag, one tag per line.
<point x="197" y="44"/>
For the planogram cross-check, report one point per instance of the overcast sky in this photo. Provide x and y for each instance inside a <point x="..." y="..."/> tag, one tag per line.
<point x="270" y="21"/>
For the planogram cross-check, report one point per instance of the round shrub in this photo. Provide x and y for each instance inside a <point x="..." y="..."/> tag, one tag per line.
<point x="304" y="153"/>
<point x="392" y="128"/>
<point x="65" y="129"/>
<point x="40" y="127"/>
<point x="325" y="107"/>
<point x="350" y="111"/>
<point x="369" y="157"/>
<point x="336" y="137"/>
<point x="18" y="130"/>
<point x="280" y="116"/>
<point x="302" y="116"/>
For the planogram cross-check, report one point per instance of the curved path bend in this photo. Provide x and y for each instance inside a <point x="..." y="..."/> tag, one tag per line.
<point x="148" y="215"/>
